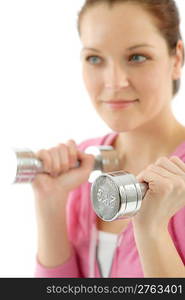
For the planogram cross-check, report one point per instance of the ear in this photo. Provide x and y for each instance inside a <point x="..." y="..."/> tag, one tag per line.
<point x="178" y="60"/>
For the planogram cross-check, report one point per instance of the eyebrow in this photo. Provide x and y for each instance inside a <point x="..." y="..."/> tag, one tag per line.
<point x="128" y="49"/>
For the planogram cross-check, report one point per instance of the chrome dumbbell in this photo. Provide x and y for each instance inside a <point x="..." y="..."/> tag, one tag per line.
<point x="28" y="166"/>
<point x="117" y="195"/>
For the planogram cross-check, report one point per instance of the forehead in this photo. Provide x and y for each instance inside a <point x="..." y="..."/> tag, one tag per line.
<point x="124" y="22"/>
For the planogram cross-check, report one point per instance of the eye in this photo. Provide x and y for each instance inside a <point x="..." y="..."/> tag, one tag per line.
<point x="92" y="59"/>
<point x="138" y="58"/>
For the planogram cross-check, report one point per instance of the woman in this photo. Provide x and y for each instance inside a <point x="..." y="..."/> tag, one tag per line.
<point x="132" y="57"/>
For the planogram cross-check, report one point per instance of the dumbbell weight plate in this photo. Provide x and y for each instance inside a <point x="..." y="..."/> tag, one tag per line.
<point x="117" y="195"/>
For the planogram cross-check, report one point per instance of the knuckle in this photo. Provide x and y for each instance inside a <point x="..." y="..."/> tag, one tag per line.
<point x="61" y="148"/>
<point x="161" y="160"/>
<point x="175" y="158"/>
<point x="41" y="153"/>
<point x="52" y="150"/>
<point x="71" y="141"/>
<point x="151" y="167"/>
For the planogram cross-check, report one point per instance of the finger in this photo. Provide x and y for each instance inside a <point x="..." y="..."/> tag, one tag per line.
<point x="176" y="160"/>
<point x="72" y="148"/>
<point x="163" y="172"/>
<point x="86" y="160"/>
<point x="153" y="170"/>
<point x="46" y="159"/>
<point x="54" y="153"/>
<point x="154" y="179"/>
<point x="169" y="165"/>
<point x="63" y="158"/>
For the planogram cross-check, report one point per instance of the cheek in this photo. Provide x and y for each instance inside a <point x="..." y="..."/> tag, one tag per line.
<point x="92" y="81"/>
<point x="148" y="81"/>
<point x="158" y="77"/>
<point x="153" y="86"/>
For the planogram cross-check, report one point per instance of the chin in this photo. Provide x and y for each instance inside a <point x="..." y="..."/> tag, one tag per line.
<point x="119" y="127"/>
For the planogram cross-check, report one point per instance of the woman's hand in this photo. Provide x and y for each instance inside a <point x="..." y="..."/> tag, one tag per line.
<point x="60" y="175"/>
<point x="51" y="188"/>
<point x="166" y="192"/>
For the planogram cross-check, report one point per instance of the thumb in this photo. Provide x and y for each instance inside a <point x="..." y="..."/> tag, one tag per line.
<point x="86" y="160"/>
<point x="140" y="177"/>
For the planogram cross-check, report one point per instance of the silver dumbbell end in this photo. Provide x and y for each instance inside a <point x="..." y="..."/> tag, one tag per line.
<point x="28" y="165"/>
<point x="117" y="195"/>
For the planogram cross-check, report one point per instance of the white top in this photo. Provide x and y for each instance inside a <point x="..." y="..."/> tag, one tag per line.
<point x="106" y="246"/>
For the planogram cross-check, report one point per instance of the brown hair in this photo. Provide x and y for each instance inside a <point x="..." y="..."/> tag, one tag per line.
<point x="166" y="14"/>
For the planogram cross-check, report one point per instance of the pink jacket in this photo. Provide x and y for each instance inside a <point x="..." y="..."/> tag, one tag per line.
<point x="83" y="234"/>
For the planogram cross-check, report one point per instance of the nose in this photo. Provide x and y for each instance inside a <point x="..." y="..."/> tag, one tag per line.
<point x="116" y="77"/>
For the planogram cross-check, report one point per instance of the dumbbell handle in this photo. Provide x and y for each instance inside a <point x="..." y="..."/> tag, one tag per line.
<point x="28" y="165"/>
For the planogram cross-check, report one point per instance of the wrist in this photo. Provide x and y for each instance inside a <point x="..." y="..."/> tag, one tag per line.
<point x="153" y="230"/>
<point x="51" y="206"/>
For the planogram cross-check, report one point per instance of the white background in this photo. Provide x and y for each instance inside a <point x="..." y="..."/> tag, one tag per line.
<point x="43" y="102"/>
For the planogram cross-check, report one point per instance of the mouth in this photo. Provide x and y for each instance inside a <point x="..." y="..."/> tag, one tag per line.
<point x="120" y="101"/>
<point x="115" y="104"/>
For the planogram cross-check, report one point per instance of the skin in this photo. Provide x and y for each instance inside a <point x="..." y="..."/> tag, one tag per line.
<point x="114" y="74"/>
<point x="147" y="128"/>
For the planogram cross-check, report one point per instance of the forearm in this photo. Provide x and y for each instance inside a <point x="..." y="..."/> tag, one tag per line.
<point x="158" y="255"/>
<point x="54" y="247"/>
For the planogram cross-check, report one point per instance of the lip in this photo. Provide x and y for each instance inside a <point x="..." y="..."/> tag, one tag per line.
<point x="120" y="103"/>
<point x="114" y="101"/>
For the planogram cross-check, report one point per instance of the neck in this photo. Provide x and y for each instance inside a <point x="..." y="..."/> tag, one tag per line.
<point x="157" y="138"/>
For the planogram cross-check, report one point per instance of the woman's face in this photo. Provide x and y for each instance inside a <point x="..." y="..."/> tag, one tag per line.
<point x="129" y="60"/>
